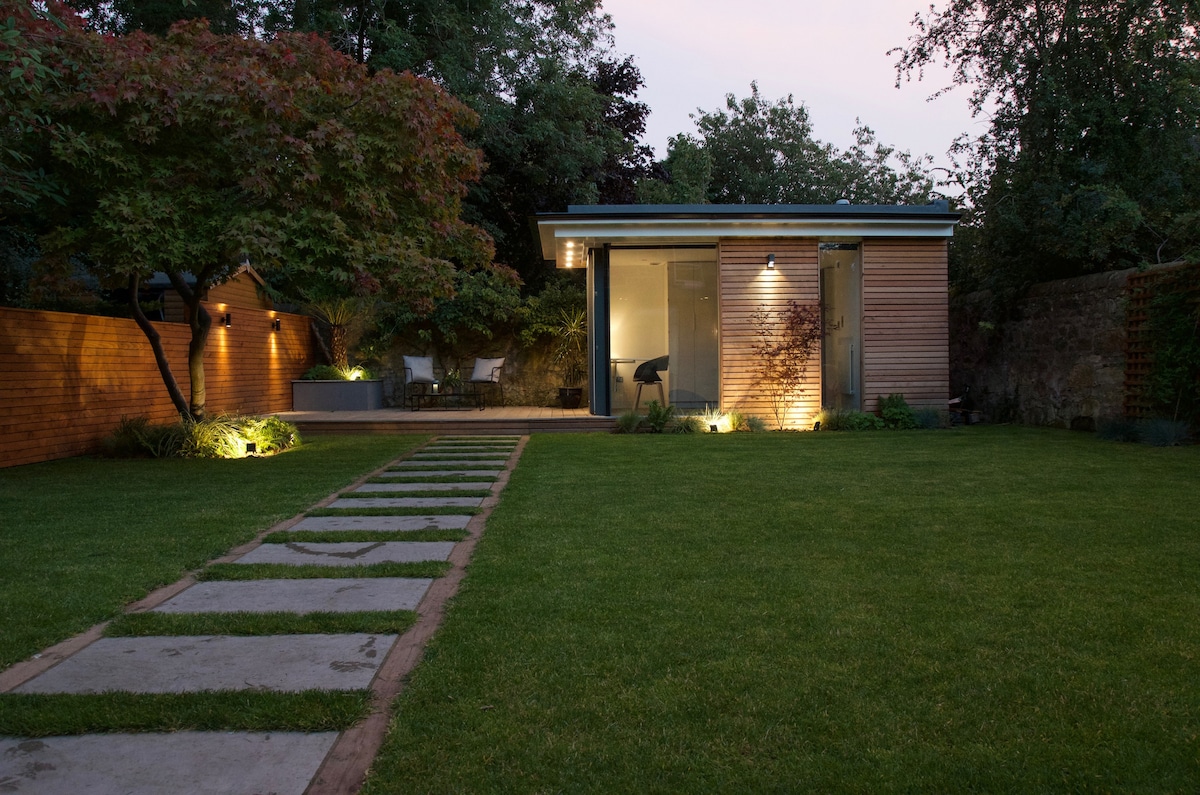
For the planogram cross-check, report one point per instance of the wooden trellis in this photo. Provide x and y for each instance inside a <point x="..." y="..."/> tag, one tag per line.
<point x="1139" y="353"/>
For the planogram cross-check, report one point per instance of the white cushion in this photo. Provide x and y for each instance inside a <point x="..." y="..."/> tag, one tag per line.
<point x="487" y="370"/>
<point x="420" y="369"/>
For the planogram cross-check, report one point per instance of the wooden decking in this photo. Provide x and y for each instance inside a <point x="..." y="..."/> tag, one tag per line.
<point x="507" y="420"/>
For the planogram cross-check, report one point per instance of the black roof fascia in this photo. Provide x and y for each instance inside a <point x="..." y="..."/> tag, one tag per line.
<point x="939" y="210"/>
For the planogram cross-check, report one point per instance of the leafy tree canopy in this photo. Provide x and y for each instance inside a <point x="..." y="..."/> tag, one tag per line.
<point x="1092" y="157"/>
<point x="558" y="118"/>
<point x="762" y="152"/>
<point x="191" y="153"/>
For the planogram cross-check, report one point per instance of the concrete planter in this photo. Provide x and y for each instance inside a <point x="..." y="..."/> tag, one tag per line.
<point x="337" y="395"/>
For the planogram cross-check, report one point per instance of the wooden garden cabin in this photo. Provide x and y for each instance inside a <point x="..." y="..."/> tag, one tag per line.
<point x="684" y="281"/>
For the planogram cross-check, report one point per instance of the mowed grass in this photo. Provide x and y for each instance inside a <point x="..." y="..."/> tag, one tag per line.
<point x="984" y="609"/>
<point x="82" y="537"/>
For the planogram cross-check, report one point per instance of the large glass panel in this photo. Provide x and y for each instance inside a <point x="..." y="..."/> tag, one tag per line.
<point x="841" y="305"/>
<point x="663" y="303"/>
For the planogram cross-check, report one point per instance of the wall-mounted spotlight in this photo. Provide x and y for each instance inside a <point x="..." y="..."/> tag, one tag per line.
<point x="276" y="324"/>
<point x="771" y="262"/>
<point x="226" y="320"/>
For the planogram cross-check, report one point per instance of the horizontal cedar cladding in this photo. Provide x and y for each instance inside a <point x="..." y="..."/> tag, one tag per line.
<point x="905" y="327"/>
<point x="746" y="285"/>
<point x="66" y="380"/>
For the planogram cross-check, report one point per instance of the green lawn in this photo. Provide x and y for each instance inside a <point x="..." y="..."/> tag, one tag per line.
<point x="82" y="537"/>
<point x="984" y="609"/>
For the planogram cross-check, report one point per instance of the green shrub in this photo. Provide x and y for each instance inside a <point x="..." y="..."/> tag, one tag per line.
<point x="848" y="420"/>
<point x="746" y="422"/>
<point x="753" y="424"/>
<point x="658" y="416"/>
<point x="629" y="422"/>
<point x="126" y="440"/>
<point x="688" y="423"/>
<point x="327" y="372"/>
<point x="1118" y="429"/>
<point x="135" y="437"/>
<point x="929" y="419"/>
<point x="213" y="437"/>
<point x="1162" y="432"/>
<point x="323" y="372"/>
<point x="270" y="434"/>
<point x="896" y="413"/>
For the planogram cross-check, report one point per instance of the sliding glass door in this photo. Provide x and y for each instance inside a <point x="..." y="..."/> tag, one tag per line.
<point x="663" y="309"/>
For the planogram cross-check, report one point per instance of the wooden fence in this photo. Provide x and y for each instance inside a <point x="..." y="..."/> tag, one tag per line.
<point x="66" y="380"/>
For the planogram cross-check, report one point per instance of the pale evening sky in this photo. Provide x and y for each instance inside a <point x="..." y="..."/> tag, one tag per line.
<point x="829" y="54"/>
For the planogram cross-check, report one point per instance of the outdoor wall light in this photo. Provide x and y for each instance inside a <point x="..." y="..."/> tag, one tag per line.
<point x="276" y="324"/>
<point x="226" y="320"/>
<point x="771" y="262"/>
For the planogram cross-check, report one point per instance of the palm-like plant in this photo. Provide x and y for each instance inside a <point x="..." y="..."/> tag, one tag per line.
<point x="570" y="348"/>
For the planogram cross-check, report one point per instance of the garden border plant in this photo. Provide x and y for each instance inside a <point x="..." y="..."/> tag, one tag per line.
<point x="784" y="342"/>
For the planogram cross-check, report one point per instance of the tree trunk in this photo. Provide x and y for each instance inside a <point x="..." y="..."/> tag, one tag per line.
<point x="316" y="335"/>
<point x="337" y="344"/>
<point x="199" y="321"/>
<point x="160" y="356"/>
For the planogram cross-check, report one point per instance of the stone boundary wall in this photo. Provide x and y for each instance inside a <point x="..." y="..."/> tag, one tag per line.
<point x="66" y="380"/>
<point x="1058" y="359"/>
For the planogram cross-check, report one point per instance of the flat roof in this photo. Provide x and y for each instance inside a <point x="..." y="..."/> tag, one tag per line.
<point x="590" y="226"/>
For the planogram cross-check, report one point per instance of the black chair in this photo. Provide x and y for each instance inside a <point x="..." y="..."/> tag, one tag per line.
<point x="647" y="373"/>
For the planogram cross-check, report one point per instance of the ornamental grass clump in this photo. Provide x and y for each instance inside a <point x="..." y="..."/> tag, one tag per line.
<point x="214" y="437"/>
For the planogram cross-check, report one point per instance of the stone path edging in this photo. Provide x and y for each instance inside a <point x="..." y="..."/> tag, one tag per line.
<point x="345" y="767"/>
<point x="16" y="675"/>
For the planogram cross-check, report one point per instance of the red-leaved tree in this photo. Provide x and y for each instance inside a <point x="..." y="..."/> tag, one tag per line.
<point x="192" y="153"/>
<point x="784" y="342"/>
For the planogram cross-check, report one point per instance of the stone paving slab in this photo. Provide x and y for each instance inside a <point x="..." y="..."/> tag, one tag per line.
<point x="382" y="523"/>
<point x="187" y="664"/>
<point x="466" y="448"/>
<point x="439" y="454"/>
<point x="324" y="595"/>
<point x="199" y="763"/>
<point x="349" y="553"/>
<point x="395" y="487"/>
<point x="441" y="473"/>
<point x="408" y="502"/>
<point x="486" y="465"/>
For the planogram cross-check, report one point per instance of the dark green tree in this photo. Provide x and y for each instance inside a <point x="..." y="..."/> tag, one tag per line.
<point x="157" y="16"/>
<point x="558" y="118"/>
<point x="1091" y="160"/>
<point x="762" y="152"/>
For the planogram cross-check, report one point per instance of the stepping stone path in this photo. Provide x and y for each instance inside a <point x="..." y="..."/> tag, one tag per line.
<point x="253" y="762"/>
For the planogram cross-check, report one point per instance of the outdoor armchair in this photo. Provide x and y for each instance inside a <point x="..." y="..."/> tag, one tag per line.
<point x="486" y="375"/>
<point x="418" y="379"/>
